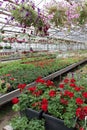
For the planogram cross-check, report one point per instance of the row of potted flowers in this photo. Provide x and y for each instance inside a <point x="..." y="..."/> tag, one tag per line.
<point x="63" y="107"/>
<point x="16" y="73"/>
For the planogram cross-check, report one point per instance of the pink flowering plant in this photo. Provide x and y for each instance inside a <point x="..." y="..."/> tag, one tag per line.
<point x="66" y="14"/>
<point x="67" y="101"/>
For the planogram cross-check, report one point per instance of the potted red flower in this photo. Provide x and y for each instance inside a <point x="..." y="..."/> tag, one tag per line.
<point x="63" y="107"/>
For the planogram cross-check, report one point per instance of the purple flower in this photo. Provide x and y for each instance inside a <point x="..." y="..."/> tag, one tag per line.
<point x="27" y="14"/>
<point x="22" y="1"/>
<point x="38" y="10"/>
<point x="33" y="6"/>
<point x="6" y="19"/>
<point x="1" y="3"/>
<point x="12" y="18"/>
<point x="16" y="1"/>
<point x="13" y="8"/>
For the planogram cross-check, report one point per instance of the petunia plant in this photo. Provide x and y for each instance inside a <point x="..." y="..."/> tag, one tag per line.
<point x="66" y="14"/>
<point x="26" y="15"/>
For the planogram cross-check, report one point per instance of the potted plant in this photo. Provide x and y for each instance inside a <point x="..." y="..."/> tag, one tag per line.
<point x="22" y="123"/>
<point x="64" y="107"/>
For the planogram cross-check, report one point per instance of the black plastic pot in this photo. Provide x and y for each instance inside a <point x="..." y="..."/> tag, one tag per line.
<point x="31" y="113"/>
<point x="51" y="123"/>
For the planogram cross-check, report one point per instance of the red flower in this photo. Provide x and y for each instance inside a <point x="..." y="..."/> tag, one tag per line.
<point x="72" y="80"/>
<point x="72" y="85"/>
<point x="81" y="112"/>
<point x="77" y="88"/>
<point x="78" y="111"/>
<point x="37" y="93"/>
<point x="32" y="89"/>
<point x="63" y="101"/>
<point x="66" y="80"/>
<point x="79" y="101"/>
<point x="21" y="86"/>
<point x="15" y="100"/>
<point x="84" y="94"/>
<point x="12" y="79"/>
<point x="61" y="85"/>
<point x="85" y="110"/>
<point x="44" y="101"/>
<point x="8" y="75"/>
<point x="44" y="107"/>
<point x="40" y="80"/>
<point x="52" y="93"/>
<point x="68" y="93"/>
<point x="49" y="83"/>
<point x="81" y="128"/>
<point x="44" y="104"/>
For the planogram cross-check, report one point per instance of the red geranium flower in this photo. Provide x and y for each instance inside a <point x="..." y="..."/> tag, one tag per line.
<point x="44" y="107"/>
<point x="79" y="101"/>
<point x="68" y="93"/>
<point x="44" y="101"/>
<point x="21" y="86"/>
<point x="66" y="80"/>
<point x="37" y="93"/>
<point x="63" y="101"/>
<point x="8" y="75"/>
<point x="15" y="100"/>
<point x="81" y="128"/>
<point x="12" y="79"/>
<point x="84" y="94"/>
<point x="77" y="88"/>
<point x="61" y="85"/>
<point x="44" y="104"/>
<point x="40" y="80"/>
<point x="81" y="112"/>
<point x="32" y="89"/>
<point x="72" y="85"/>
<point x="72" y="80"/>
<point x="78" y="111"/>
<point x="52" y="93"/>
<point x="49" y="83"/>
<point x="85" y="110"/>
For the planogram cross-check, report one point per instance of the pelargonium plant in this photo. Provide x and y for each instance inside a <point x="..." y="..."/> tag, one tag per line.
<point x="67" y="101"/>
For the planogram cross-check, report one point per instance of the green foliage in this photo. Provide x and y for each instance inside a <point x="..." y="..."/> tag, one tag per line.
<point x="21" y="72"/>
<point x="22" y="123"/>
<point x="83" y="15"/>
<point x="3" y="87"/>
<point x="19" y="123"/>
<point x="16" y="107"/>
<point x="55" y="108"/>
<point x="35" y="124"/>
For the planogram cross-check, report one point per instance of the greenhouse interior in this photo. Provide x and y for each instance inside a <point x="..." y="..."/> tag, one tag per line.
<point x="43" y="64"/>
